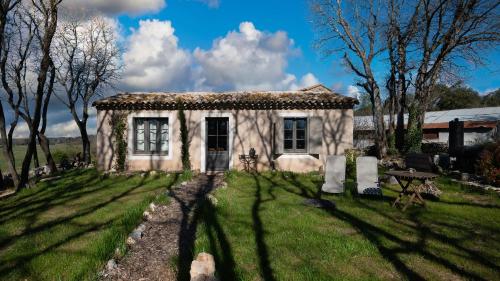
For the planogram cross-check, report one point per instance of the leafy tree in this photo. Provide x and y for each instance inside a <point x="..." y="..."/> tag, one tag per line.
<point x="492" y="98"/>
<point x="454" y="97"/>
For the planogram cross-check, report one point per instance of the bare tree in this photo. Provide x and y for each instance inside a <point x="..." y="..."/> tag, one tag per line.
<point x="19" y="64"/>
<point x="5" y="7"/>
<point x="43" y="15"/>
<point x="356" y="27"/>
<point x="87" y="63"/>
<point x="401" y="30"/>
<point x="449" y="30"/>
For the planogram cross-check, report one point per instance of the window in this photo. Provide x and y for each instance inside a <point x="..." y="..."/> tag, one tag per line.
<point x="217" y="134"/>
<point x="295" y="132"/>
<point x="151" y="136"/>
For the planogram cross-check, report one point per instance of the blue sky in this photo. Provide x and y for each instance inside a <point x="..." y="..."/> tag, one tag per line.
<point x="197" y="25"/>
<point x="217" y="45"/>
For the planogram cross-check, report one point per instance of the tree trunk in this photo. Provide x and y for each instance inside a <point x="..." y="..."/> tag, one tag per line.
<point x="82" y="126"/>
<point x="36" y="161"/>
<point x="416" y="116"/>
<point x="25" y="168"/>
<point x="42" y="139"/>
<point x="393" y="109"/>
<point x="6" y="148"/>
<point x="401" y="88"/>
<point x="45" y="146"/>
<point x="400" y="123"/>
<point x="378" y="122"/>
<point x="85" y="143"/>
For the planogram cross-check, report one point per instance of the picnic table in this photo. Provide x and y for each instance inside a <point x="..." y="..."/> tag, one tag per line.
<point x="410" y="190"/>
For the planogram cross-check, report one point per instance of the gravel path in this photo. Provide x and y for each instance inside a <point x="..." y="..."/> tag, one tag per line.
<point x="172" y="227"/>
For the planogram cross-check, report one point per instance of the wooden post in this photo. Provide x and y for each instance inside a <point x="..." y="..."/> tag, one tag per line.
<point x="456" y="137"/>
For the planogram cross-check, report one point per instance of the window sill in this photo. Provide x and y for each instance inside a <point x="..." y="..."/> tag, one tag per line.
<point x="134" y="156"/>
<point x="296" y="155"/>
<point x="148" y="154"/>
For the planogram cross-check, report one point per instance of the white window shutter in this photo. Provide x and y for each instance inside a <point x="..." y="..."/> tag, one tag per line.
<point x="278" y="136"/>
<point x="315" y="135"/>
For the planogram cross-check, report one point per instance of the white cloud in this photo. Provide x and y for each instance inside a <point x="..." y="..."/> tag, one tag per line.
<point x="248" y="59"/>
<point x="353" y="91"/>
<point x="245" y="59"/>
<point x="63" y="129"/>
<point x="238" y="61"/>
<point x="134" y="7"/>
<point x="487" y="91"/>
<point x="153" y="60"/>
<point x="211" y="3"/>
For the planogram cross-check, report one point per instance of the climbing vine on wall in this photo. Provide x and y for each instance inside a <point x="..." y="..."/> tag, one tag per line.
<point x="184" y="136"/>
<point x="119" y="125"/>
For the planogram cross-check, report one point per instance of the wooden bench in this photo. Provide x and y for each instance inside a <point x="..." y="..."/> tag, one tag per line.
<point x="420" y="162"/>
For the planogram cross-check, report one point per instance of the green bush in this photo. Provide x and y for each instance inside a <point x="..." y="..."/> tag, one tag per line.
<point x="351" y="155"/>
<point x="61" y="155"/>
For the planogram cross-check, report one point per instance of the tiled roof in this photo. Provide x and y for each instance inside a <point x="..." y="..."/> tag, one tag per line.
<point x="315" y="97"/>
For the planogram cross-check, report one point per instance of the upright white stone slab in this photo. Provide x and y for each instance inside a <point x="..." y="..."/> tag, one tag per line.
<point x="334" y="174"/>
<point x="367" y="176"/>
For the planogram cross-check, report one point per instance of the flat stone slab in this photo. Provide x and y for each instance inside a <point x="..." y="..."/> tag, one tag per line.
<point x="320" y="203"/>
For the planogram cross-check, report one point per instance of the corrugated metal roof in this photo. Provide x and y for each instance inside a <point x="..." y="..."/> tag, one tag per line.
<point x="431" y="117"/>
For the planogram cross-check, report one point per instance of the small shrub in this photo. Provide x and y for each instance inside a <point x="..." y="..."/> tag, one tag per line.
<point x="61" y="156"/>
<point x="488" y="164"/>
<point x="433" y="148"/>
<point x="391" y="145"/>
<point x="351" y="155"/>
<point x="186" y="175"/>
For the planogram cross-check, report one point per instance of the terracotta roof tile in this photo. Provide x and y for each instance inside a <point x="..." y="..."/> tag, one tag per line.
<point x="316" y="97"/>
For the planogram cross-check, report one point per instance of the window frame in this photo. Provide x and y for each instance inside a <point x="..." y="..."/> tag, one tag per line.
<point x="294" y="149"/>
<point x="217" y="135"/>
<point x="147" y="149"/>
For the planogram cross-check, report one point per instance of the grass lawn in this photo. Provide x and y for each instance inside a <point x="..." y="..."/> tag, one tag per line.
<point x="68" y="228"/>
<point x="260" y="230"/>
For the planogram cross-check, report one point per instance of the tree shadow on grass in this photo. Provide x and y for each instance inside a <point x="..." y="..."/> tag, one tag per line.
<point x="22" y="261"/>
<point x="54" y="197"/>
<point x="34" y="214"/>
<point x="376" y="235"/>
<point x="190" y="200"/>
<point x="220" y="248"/>
<point x="263" y="254"/>
<point x="224" y="260"/>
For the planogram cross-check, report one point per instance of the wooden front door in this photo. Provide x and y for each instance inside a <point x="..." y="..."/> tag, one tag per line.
<point x="217" y="144"/>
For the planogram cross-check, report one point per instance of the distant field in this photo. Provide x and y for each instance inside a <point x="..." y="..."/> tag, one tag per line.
<point x="70" y="148"/>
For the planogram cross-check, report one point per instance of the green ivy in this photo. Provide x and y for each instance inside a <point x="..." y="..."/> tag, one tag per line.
<point x="414" y="134"/>
<point x="119" y="126"/>
<point x="186" y="162"/>
<point x="414" y="140"/>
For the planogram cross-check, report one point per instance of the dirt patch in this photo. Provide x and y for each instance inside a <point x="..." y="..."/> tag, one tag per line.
<point x="168" y="237"/>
